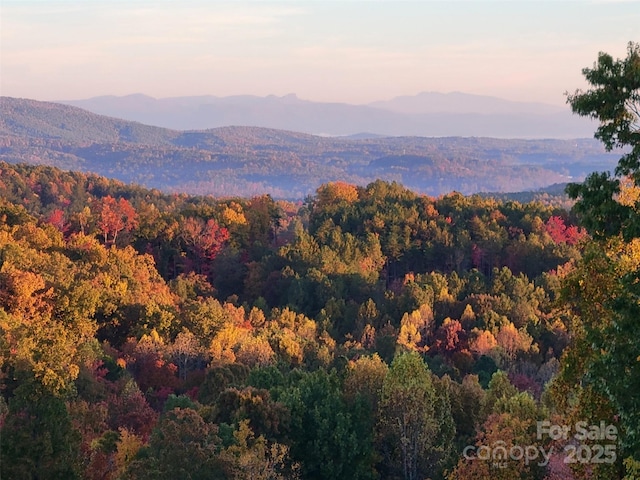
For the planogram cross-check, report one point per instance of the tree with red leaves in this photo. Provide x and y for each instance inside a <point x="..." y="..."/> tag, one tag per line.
<point x="555" y="227"/>
<point x="57" y="219"/>
<point x="115" y="216"/>
<point x="204" y="241"/>
<point x="560" y="233"/>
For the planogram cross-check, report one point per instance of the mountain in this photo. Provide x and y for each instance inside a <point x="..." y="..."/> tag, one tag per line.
<point x="426" y="114"/>
<point x="464" y="103"/>
<point x="251" y="160"/>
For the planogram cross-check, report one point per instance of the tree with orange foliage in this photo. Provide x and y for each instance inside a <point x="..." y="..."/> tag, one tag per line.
<point x="483" y="343"/>
<point x="336" y="192"/>
<point x="450" y="336"/>
<point x="114" y="217"/>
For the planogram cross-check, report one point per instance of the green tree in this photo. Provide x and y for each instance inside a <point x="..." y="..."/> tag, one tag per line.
<point x="608" y="334"/>
<point x="182" y="445"/>
<point x="613" y="100"/>
<point x="407" y="423"/>
<point x="330" y="439"/>
<point x="364" y="378"/>
<point x="38" y="440"/>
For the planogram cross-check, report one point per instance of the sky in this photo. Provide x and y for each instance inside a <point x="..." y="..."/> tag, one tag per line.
<point x="352" y="51"/>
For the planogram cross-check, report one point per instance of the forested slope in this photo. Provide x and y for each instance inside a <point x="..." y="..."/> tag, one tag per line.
<point x="147" y="335"/>
<point x="246" y="161"/>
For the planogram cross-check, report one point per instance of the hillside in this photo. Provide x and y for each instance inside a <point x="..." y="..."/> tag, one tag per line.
<point x="250" y="160"/>
<point x="28" y="118"/>
<point x="186" y="330"/>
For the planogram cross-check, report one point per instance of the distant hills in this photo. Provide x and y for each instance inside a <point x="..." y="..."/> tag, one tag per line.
<point x="250" y="160"/>
<point x="464" y="103"/>
<point x="426" y="114"/>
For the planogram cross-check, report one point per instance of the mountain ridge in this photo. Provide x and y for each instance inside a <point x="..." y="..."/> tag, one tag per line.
<point x="426" y="114"/>
<point x="461" y="102"/>
<point x="242" y="161"/>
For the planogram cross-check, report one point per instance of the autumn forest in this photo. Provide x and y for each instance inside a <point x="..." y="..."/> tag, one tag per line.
<point x="367" y="332"/>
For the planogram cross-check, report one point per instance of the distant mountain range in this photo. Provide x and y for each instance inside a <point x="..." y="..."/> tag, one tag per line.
<point x="242" y="161"/>
<point x="426" y="114"/>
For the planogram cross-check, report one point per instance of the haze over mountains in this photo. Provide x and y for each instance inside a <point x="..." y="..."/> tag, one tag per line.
<point x="246" y="161"/>
<point x="426" y="114"/>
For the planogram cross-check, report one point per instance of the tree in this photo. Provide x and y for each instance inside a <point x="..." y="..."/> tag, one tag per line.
<point x="467" y="405"/>
<point x="267" y="418"/>
<point x="38" y="440"/>
<point x="182" y="445"/>
<point x="330" y="438"/>
<point x="605" y="352"/>
<point x="264" y="217"/>
<point x="483" y="343"/>
<point x="130" y="409"/>
<point x="186" y="350"/>
<point x="415" y="328"/>
<point x="613" y="100"/>
<point x="115" y="217"/>
<point x="205" y="239"/>
<point x="407" y="425"/>
<point x="449" y="336"/>
<point x="127" y="446"/>
<point x="336" y="192"/>
<point x="602" y="357"/>
<point x="58" y="220"/>
<point x="252" y="458"/>
<point x="365" y="378"/>
<point x="512" y="416"/>
<point x="512" y="341"/>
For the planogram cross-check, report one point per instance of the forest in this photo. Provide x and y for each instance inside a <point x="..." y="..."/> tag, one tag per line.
<point x="367" y="332"/>
<point x="264" y="339"/>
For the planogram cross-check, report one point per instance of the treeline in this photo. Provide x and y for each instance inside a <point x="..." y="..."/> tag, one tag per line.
<point x="368" y="332"/>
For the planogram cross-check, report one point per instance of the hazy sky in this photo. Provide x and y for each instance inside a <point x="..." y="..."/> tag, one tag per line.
<point x="344" y="51"/>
